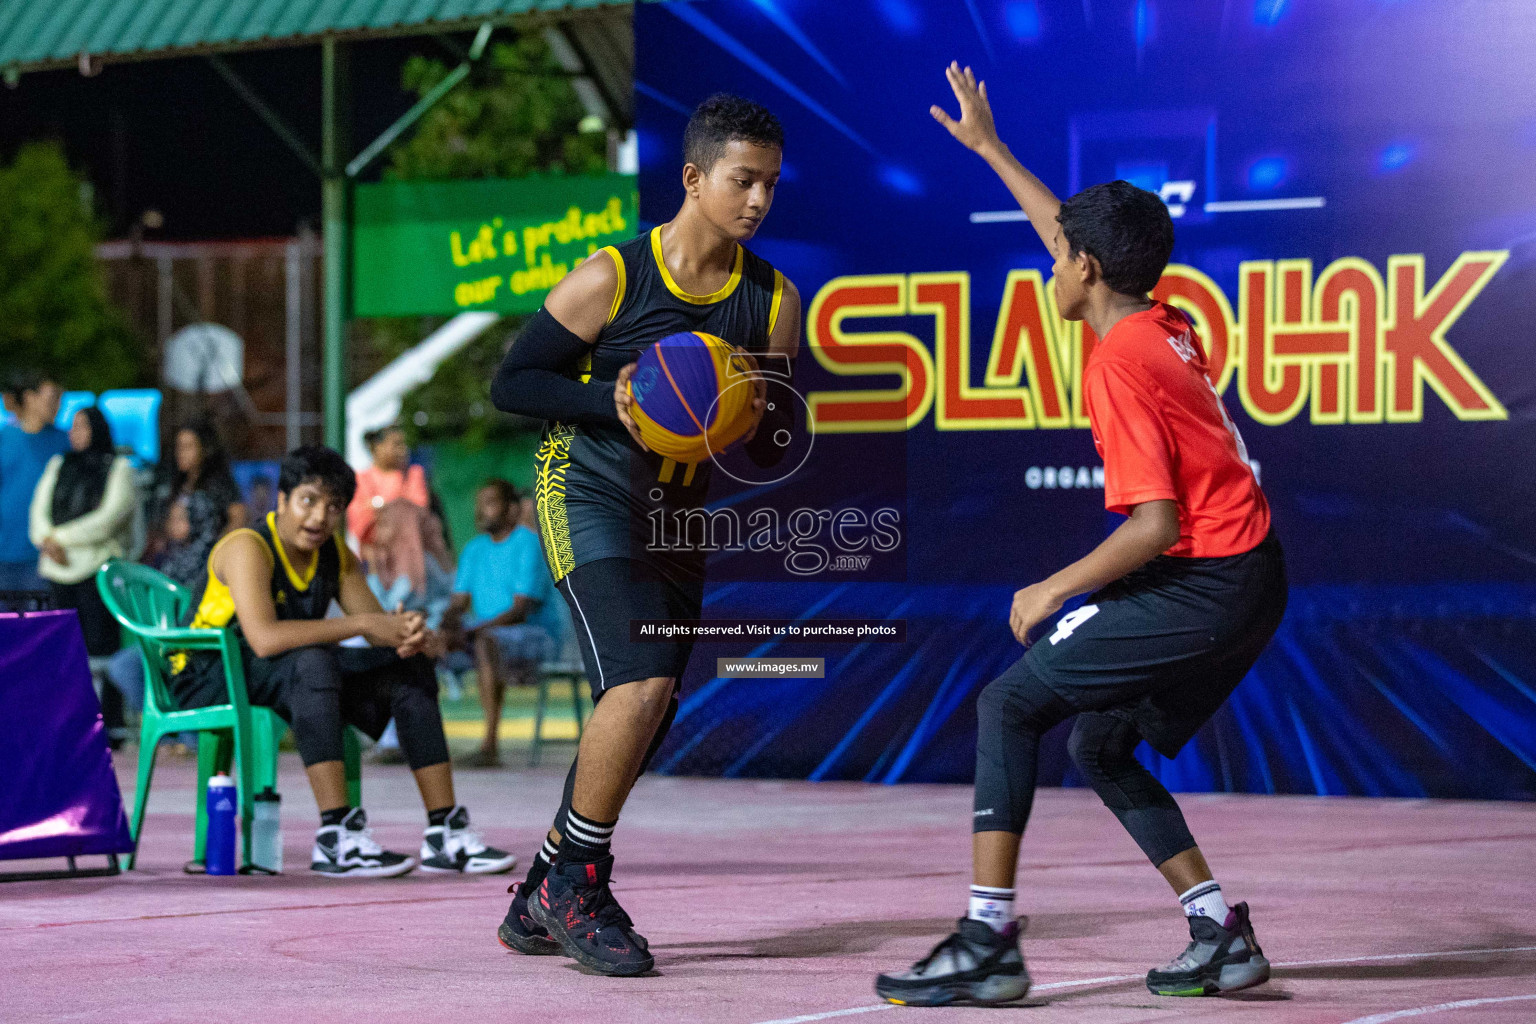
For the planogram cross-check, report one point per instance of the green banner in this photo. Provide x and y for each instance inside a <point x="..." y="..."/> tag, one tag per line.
<point x="443" y="247"/>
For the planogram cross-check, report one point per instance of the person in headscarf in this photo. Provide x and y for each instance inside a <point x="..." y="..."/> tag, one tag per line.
<point x="409" y="569"/>
<point x="81" y="518"/>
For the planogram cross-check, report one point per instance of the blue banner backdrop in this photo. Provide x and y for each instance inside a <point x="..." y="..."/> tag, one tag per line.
<point x="1357" y="244"/>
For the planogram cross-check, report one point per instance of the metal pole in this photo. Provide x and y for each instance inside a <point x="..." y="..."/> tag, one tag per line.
<point x="335" y="115"/>
<point x="293" y="279"/>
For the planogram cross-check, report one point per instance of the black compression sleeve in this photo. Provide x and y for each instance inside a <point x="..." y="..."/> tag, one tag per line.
<point x="778" y="422"/>
<point x="532" y="379"/>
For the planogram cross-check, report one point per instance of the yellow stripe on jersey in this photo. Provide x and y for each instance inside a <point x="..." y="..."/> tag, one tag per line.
<point x="618" y="295"/>
<point x="675" y="289"/>
<point x="300" y="582"/>
<point x="553" y="459"/>
<point x="216" y="606"/>
<point x="778" y="297"/>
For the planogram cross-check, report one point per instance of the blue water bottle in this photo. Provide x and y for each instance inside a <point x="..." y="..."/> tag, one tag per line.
<point x="219" y="852"/>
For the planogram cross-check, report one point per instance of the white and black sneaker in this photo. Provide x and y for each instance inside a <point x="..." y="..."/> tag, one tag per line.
<point x="454" y="846"/>
<point x="348" y="850"/>
<point x="1219" y="958"/>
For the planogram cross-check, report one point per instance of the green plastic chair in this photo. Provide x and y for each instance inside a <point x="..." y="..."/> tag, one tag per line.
<point x="149" y="606"/>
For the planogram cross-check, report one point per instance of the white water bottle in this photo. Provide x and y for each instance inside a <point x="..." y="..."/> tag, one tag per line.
<point x="267" y="832"/>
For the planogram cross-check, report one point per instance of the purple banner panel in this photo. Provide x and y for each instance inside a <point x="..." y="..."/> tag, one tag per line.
<point x="58" y="795"/>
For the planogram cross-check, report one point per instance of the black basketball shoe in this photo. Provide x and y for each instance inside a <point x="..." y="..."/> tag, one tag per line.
<point x="520" y="932"/>
<point x="576" y="906"/>
<point x="974" y="965"/>
<point x="1217" y="959"/>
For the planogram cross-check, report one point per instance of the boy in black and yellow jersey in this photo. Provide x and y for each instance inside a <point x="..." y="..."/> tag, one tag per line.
<point x="273" y="584"/>
<point x="598" y="487"/>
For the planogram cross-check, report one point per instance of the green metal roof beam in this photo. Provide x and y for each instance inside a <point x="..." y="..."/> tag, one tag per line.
<point x="36" y="36"/>
<point x="266" y="113"/>
<point x="419" y="109"/>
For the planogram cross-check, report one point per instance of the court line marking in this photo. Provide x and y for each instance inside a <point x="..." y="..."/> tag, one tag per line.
<point x="1081" y="982"/>
<point x="1420" y="1011"/>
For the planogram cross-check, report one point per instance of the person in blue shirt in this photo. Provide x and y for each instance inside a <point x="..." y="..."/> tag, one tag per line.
<point x="27" y="443"/>
<point x="503" y="608"/>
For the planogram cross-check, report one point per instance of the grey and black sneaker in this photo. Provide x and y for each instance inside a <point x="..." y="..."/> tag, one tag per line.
<point x="1219" y="958"/>
<point x="974" y="965"/>
<point x="455" y="847"/>
<point x="519" y="932"/>
<point x="348" y="850"/>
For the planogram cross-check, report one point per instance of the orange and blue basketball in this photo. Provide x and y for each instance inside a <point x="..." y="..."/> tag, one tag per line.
<point x="690" y="402"/>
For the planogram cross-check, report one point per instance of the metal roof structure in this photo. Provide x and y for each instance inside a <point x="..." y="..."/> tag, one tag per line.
<point x="40" y="34"/>
<point x="591" y="39"/>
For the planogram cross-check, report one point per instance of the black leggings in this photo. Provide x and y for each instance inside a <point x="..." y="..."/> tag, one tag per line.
<point x="1013" y="712"/>
<point x="318" y="691"/>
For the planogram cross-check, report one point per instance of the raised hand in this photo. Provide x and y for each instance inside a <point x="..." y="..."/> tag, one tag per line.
<point x="975" y="129"/>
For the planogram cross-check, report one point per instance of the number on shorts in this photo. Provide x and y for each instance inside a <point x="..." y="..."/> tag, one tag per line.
<point x="1070" y="621"/>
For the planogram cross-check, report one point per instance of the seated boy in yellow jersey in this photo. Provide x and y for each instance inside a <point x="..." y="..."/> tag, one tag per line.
<point x="273" y="584"/>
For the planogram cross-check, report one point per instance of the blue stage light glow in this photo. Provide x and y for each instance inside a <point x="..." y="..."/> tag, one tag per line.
<point x="1148" y="174"/>
<point x="1146" y="22"/>
<point x="1396" y="156"/>
<point x="1268" y="12"/>
<point x="901" y="180"/>
<point x="1023" y="19"/>
<point x="902" y="16"/>
<point x="1268" y="172"/>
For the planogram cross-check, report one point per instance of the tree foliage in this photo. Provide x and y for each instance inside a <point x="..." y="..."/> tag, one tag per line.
<point x="54" y="311"/>
<point x="515" y="115"/>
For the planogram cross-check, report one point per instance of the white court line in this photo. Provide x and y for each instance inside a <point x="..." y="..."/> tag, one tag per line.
<point x="871" y="1008"/>
<point x="1419" y="1011"/>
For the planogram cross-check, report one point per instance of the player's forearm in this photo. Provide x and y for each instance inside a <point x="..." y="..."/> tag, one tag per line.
<point x="1037" y="201"/>
<point x="281" y="636"/>
<point x="533" y="381"/>
<point x="1136" y="542"/>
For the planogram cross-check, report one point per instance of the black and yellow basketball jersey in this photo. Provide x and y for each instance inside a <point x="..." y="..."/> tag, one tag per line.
<point x="598" y="492"/>
<point x="296" y="594"/>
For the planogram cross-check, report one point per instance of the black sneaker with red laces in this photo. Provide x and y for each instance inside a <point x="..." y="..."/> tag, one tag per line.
<point x="520" y="932"/>
<point x="576" y="907"/>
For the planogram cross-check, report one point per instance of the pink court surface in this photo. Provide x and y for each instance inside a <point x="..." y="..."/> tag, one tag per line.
<point x="779" y="901"/>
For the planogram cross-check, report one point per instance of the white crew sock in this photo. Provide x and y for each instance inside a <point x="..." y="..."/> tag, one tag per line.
<point x="994" y="906"/>
<point x="1204" y="900"/>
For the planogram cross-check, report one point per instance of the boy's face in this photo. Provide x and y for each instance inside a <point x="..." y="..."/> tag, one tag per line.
<point x="43" y="402"/>
<point x="307" y="515"/>
<point x="490" y="511"/>
<point x="1069" y="279"/>
<point x="738" y="190"/>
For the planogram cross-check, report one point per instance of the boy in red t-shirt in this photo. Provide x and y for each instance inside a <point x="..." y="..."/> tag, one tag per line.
<point x="1185" y="595"/>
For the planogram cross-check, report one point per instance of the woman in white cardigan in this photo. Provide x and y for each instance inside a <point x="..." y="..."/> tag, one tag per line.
<point x="81" y="517"/>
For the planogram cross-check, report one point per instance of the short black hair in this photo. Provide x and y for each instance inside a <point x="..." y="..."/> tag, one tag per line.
<point x="723" y="119"/>
<point x="315" y="463"/>
<point x="19" y="382"/>
<point x="504" y="489"/>
<point x="371" y="438"/>
<point x="1127" y="229"/>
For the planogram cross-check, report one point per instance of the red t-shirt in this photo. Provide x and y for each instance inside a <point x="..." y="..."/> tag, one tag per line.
<point x="1162" y="431"/>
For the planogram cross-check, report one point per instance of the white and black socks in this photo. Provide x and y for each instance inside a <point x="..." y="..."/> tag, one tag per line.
<point x="1205" y="900"/>
<point x="994" y="906"/>
<point x="585" y="841"/>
